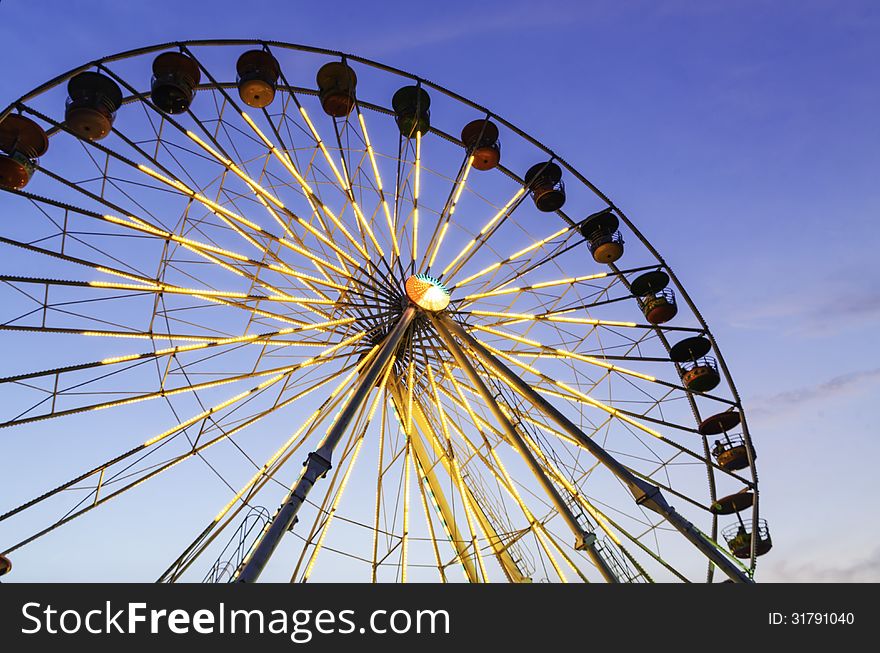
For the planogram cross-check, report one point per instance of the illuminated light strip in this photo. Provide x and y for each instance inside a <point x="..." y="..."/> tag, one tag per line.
<point x="346" y="185"/>
<point x="202" y="344"/>
<point x="323" y="411"/>
<point x="311" y="418"/>
<point x="380" y="472"/>
<point x="404" y="544"/>
<point x="278" y="153"/>
<point x="418" y="175"/>
<point x="421" y="481"/>
<point x="324" y="239"/>
<point x="140" y="225"/>
<point x="579" y="496"/>
<point x="308" y="277"/>
<point x="392" y="231"/>
<point x="257" y="189"/>
<point x="342" y="228"/>
<point x="258" y="339"/>
<point x="151" y="287"/>
<point x="217" y="208"/>
<point x="563" y="353"/>
<point x="445" y="227"/>
<point x="342" y="183"/>
<point x="485" y="229"/>
<point x="456" y="474"/>
<point x="485" y="524"/>
<point x="241" y="232"/>
<point x="332" y="511"/>
<point x="455" y="384"/>
<point x="210" y="257"/>
<point x="409" y="396"/>
<point x="525" y="417"/>
<point x="213" y="409"/>
<point x="284" y="159"/>
<point x="313" y="199"/>
<point x="461" y="554"/>
<point x="317" y="413"/>
<point x="265" y="468"/>
<point x="317" y="259"/>
<point x="577" y="393"/>
<point x="124" y="275"/>
<point x="214" y="259"/>
<point x="144" y="336"/>
<point x="162" y="468"/>
<point x="508" y="414"/>
<point x="363" y="219"/>
<point x="506" y="482"/>
<point x="539" y="530"/>
<point x="571" y="489"/>
<point x="513" y="257"/>
<point x="374" y="565"/>
<point x="321" y="145"/>
<point x="534" y="523"/>
<point x="463" y="403"/>
<point x="206" y="293"/>
<point x="378" y="503"/>
<point x="147" y="280"/>
<point x="443" y="231"/>
<point x="284" y="371"/>
<point x="440" y="410"/>
<point x="225" y="215"/>
<point x="464" y="491"/>
<point x="549" y="317"/>
<point x="535" y="286"/>
<point x="558" y="353"/>
<point x="198" y="250"/>
<point x="318" y="262"/>
<point x="461" y="185"/>
<point x="481" y="423"/>
<point x="446" y="528"/>
<point x="274" y="214"/>
<point x="159" y="352"/>
<point x="469" y="516"/>
<point x="546" y="533"/>
<point x="257" y="311"/>
<point x="266" y="285"/>
<point x="314" y="203"/>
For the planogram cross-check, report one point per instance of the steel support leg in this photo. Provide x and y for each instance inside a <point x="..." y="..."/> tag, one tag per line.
<point x="645" y="494"/>
<point x="508" y="564"/>
<point x="583" y="540"/>
<point x="319" y="461"/>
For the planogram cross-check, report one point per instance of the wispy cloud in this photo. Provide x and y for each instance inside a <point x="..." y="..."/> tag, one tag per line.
<point x="791" y="400"/>
<point x="479" y="23"/>
<point x="866" y="570"/>
<point x="818" y="311"/>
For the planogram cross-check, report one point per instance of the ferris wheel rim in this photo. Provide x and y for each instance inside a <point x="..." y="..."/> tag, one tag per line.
<point x="553" y="157"/>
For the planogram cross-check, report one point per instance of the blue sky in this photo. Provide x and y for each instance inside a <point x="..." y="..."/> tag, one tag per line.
<point x="741" y="136"/>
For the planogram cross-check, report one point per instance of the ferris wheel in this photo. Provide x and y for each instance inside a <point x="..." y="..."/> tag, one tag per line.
<point x="311" y="292"/>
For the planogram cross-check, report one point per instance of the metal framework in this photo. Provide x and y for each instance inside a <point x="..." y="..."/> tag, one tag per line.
<point x="229" y="284"/>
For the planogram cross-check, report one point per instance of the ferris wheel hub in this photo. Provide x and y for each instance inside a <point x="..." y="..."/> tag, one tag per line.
<point x="427" y="293"/>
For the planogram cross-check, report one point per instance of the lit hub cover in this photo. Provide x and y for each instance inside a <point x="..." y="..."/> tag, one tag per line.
<point x="427" y="292"/>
